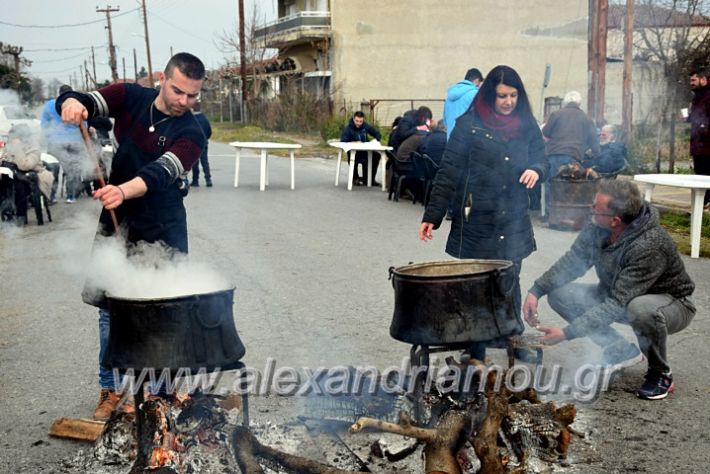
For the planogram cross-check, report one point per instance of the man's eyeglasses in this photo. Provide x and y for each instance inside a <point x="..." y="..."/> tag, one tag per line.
<point x="594" y="212"/>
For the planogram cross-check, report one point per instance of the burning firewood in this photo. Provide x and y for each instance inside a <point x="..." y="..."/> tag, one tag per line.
<point x="183" y="434"/>
<point x="514" y="428"/>
<point x="505" y="432"/>
<point x="575" y="171"/>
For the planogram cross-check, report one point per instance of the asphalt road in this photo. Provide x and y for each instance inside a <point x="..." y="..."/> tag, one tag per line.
<point x="311" y="271"/>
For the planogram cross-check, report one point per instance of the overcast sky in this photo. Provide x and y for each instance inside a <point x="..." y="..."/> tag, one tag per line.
<point x="58" y="52"/>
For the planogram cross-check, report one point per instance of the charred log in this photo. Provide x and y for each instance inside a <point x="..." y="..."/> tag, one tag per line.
<point x="248" y="450"/>
<point x="380" y="450"/>
<point x="485" y="443"/>
<point x="442" y="443"/>
<point x="152" y="425"/>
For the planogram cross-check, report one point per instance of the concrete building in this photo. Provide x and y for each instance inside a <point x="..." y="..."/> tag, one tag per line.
<point x="387" y="57"/>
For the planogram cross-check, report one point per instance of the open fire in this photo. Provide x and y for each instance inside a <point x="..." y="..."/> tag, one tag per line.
<point x="492" y="431"/>
<point x="448" y="427"/>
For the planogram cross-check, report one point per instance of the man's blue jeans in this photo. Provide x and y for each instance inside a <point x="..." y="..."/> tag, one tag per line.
<point x="652" y="317"/>
<point x="106" y="379"/>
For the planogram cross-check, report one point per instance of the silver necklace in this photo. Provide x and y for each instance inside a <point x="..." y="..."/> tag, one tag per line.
<point x="151" y="129"/>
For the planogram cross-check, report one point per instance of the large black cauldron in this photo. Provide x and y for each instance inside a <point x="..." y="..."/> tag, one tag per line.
<point x="452" y="302"/>
<point x="193" y="331"/>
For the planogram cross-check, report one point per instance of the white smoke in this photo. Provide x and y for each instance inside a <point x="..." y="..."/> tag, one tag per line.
<point x="144" y="271"/>
<point x="148" y="271"/>
<point x="9" y="97"/>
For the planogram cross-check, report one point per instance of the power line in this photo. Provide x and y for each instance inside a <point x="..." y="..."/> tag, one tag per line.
<point x="35" y="73"/>
<point x="178" y="28"/>
<point x="61" y="49"/>
<point x="66" y="26"/>
<point x="57" y="60"/>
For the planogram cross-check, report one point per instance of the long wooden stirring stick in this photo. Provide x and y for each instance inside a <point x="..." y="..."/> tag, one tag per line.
<point x="99" y="174"/>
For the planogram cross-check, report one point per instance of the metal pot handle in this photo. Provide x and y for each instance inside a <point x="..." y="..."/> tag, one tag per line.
<point x="207" y="325"/>
<point x="500" y="278"/>
<point x="391" y="272"/>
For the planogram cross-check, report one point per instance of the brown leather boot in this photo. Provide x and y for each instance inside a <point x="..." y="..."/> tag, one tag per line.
<point x="108" y="400"/>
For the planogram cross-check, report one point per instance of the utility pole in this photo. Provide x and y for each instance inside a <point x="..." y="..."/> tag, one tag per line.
<point x="86" y="76"/>
<point x="598" y="17"/>
<point x="243" y="62"/>
<point x="123" y="60"/>
<point x="592" y="42"/>
<point x="111" y="48"/>
<point x="135" y="65"/>
<point x="93" y="65"/>
<point x="147" y="44"/>
<point x="601" y="58"/>
<point x="627" y="92"/>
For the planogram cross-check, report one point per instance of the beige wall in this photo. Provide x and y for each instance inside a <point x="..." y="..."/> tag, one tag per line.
<point x="415" y="49"/>
<point x="648" y="90"/>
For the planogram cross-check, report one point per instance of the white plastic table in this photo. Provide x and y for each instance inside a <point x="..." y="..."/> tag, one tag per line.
<point x="351" y="148"/>
<point x="697" y="184"/>
<point x="263" y="169"/>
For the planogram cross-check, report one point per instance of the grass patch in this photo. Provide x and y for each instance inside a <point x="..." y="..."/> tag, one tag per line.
<point x="678" y="226"/>
<point x="312" y="144"/>
<point x="231" y="132"/>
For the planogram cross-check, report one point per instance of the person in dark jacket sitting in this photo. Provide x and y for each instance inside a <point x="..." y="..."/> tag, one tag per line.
<point x="434" y="143"/>
<point x="357" y="130"/>
<point x="612" y="154"/>
<point x="406" y="126"/>
<point x="422" y="120"/>
<point x="494" y="155"/>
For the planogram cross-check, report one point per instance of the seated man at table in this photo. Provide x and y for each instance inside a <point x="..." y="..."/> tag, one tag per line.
<point x="642" y="283"/>
<point x="357" y="130"/>
<point x="434" y="143"/>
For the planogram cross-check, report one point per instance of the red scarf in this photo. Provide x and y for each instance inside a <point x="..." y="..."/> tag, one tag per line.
<point x="506" y="126"/>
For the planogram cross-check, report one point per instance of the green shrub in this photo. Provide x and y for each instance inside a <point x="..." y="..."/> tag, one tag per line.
<point x="332" y="127"/>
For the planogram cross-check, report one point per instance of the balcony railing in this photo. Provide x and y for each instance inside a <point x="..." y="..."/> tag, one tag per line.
<point x="300" y="20"/>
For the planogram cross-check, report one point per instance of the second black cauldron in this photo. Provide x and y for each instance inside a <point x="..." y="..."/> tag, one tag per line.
<point x="453" y="302"/>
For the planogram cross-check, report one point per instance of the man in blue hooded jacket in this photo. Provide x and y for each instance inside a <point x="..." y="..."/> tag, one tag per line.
<point x="459" y="98"/>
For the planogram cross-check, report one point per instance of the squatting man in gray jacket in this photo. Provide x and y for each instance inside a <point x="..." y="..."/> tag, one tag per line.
<point x="642" y="282"/>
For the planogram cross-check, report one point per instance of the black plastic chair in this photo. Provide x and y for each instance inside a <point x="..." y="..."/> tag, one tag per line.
<point x="7" y="197"/>
<point x="427" y="168"/>
<point x="431" y="168"/>
<point x="24" y="189"/>
<point x="401" y="172"/>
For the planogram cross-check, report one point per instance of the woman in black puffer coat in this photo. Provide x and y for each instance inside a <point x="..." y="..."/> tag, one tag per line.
<point x="494" y="156"/>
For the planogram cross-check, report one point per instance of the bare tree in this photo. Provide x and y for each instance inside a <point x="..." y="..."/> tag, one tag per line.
<point x="53" y="87"/>
<point x="676" y="35"/>
<point x="37" y="89"/>
<point x="256" y="53"/>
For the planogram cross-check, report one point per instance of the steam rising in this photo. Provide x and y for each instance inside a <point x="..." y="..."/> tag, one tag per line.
<point x="148" y="271"/>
